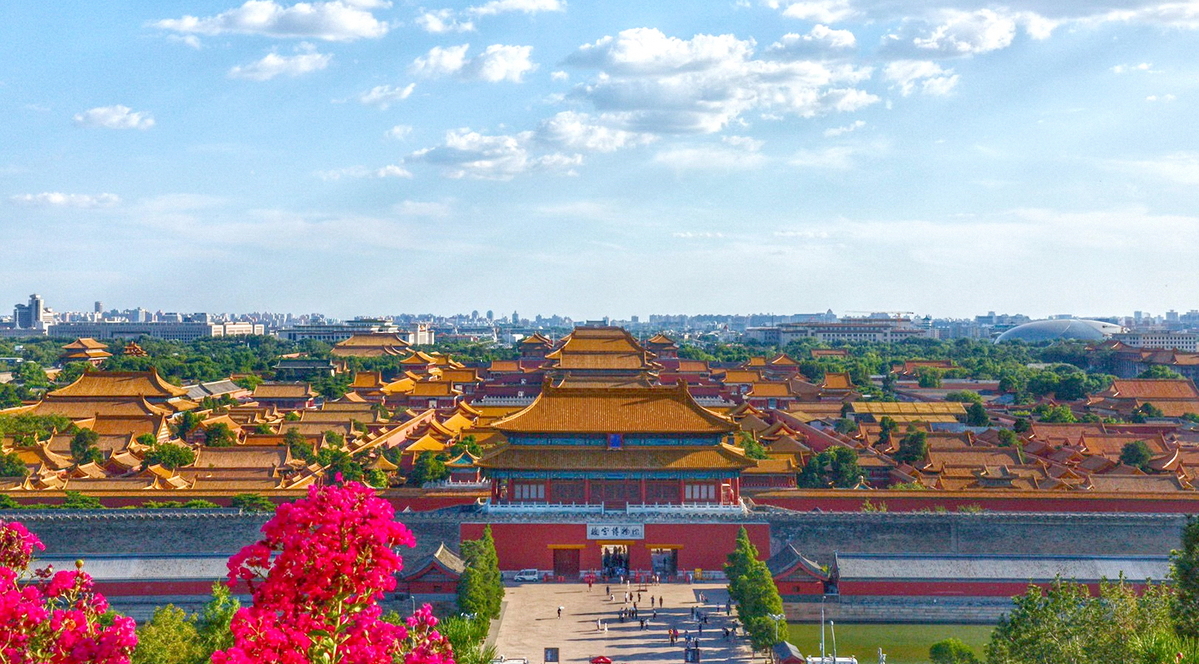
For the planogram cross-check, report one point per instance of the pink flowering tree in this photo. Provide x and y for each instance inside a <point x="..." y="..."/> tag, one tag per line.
<point x="54" y="617"/>
<point x="316" y="578"/>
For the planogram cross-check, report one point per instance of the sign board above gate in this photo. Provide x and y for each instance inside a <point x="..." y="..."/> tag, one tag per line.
<point x="600" y="531"/>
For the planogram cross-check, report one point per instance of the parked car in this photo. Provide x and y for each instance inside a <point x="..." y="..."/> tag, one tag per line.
<point x="526" y="575"/>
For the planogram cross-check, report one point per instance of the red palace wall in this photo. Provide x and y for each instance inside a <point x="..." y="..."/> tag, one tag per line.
<point x="949" y="588"/>
<point x="700" y="545"/>
<point x="999" y="501"/>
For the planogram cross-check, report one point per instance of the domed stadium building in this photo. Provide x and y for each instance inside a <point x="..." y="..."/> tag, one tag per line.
<point x="1059" y="329"/>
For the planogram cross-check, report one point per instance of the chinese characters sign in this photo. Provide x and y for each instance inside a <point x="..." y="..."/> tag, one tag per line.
<point x="615" y="531"/>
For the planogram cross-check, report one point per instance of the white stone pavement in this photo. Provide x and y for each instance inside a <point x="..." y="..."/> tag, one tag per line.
<point x="530" y="623"/>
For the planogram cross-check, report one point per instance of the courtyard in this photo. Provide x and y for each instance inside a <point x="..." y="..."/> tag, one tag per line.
<point x="530" y="623"/>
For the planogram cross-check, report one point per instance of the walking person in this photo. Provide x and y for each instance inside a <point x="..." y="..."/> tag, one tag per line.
<point x="559" y="613"/>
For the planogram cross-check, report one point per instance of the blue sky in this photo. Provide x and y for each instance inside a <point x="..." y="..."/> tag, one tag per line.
<point x="601" y="158"/>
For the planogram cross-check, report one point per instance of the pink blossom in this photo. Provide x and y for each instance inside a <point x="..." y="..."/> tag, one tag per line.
<point x="316" y="577"/>
<point x="56" y="619"/>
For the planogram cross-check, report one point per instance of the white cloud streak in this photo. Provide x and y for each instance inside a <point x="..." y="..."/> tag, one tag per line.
<point x="495" y="64"/>
<point x="340" y="20"/>
<point x="114" y="117"/>
<point x="52" y="199"/>
<point x="273" y="65"/>
<point x="470" y="154"/>
<point x="650" y="82"/>
<point x="383" y="96"/>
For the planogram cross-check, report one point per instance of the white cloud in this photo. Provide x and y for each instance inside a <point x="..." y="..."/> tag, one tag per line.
<point x="383" y="96"/>
<point x="1183" y="14"/>
<point x="441" y="21"/>
<point x="340" y="20"/>
<point x="956" y="33"/>
<point x="399" y="132"/>
<point x="964" y="33"/>
<point x="114" y="117"/>
<point x="920" y="75"/>
<point x="1180" y="167"/>
<point x="409" y="208"/>
<point x="523" y="6"/>
<point x="837" y="131"/>
<point x="823" y="11"/>
<point x="466" y="153"/>
<point x="1166" y="98"/>
<point x="441" y="61"/>
<point x="59" y="199"/>
<point x="738" y="153"/>
<point x="651" y="82"/>
<point x="190" y="40"/>
<point x="496" y="63"/>
<point x="1143" y="67"/>
<point x="282" y="65"/>
<point x="820" y="39"/>
<point x="389" y="171"/>
<point x="559" y="76"/>
<point x="693" y="235"/>
<point x="580" y="131"/>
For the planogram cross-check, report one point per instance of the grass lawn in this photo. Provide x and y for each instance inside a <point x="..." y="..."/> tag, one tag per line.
<point x="903" y="644"/>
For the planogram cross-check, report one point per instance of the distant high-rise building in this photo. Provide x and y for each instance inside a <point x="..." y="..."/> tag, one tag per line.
<point x="474" y="314"/>
<point x="490" y="315"/>
<point x="99" y="308"/>
<point x="30" y="316"/>
<point x="515" y="318"/>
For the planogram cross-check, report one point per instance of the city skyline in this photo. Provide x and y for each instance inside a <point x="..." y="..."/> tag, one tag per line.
<point x="364" y="155"/>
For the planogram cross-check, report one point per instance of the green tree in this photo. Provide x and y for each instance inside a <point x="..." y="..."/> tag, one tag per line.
<point x="219" y="435"/>
<point x="976" y="415"/>
<point x="929" y="377"/>
<point x="31" y="374"/>
<point x="170" y="455"/>
<point x="1145" y="411"/>
<point x="481" y="586"/>
<point x="12" y="466"/>
<point x="83" y="447"/>
<point x="964" y="396"/>
<point x="428" y="468"/>
<point x="252" y="502"/>
<point x="188" y="421"/>
<point x="951" y="651"/>
<point x="912" y="447"/>
<point x="299" y="445"/>
<point x="212" y="625"/>
<point x="887" y="427"/>
<point x="1184" y="572"/>
<point x="753" y="449"/>
<point x="147" y="439"/>
<point x="752" y="588"/>
<point x="169" y="638"/>
<point x="834" y="467"/>
<point x="1008" y="438"/>
<point x="467" y="636"/>
<point x="77" y="501"/>
<point x="1160" y="372"/>
<point x="1056" y="414"/>
<point x="1136" y="454"/>
<point x="8" y="503"/>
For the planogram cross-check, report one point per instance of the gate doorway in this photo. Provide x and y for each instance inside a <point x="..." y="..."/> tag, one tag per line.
<point x="615" y="560"/>
<point x="665" y="561"/>
<point x="566" y="563"/>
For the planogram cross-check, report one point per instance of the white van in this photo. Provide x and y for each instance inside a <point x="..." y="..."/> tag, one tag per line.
<point x="526" y="575"/>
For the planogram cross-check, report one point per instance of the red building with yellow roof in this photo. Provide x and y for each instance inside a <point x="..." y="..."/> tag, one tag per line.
<point x="620" y="475"/>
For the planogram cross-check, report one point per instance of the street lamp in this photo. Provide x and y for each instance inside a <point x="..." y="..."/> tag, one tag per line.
<point x="776" y="617"/>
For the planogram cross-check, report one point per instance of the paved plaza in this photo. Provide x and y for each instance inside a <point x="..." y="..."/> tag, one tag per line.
<point x="530" y="623"/>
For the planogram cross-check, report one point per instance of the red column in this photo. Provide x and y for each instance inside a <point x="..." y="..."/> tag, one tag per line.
<point x="642" y="490"/>
<point x="587" y="491"/>
<point x="736" y="489"/>
<point x="682" y="493"/>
